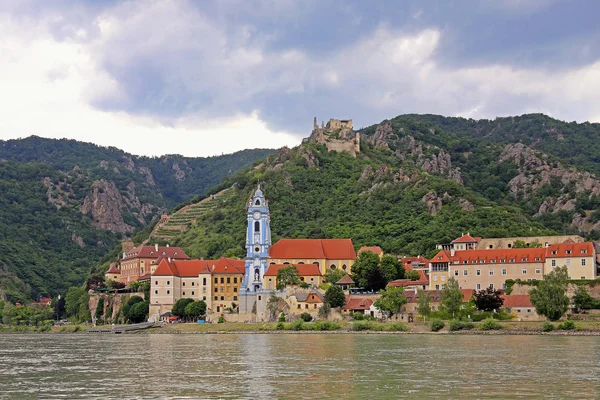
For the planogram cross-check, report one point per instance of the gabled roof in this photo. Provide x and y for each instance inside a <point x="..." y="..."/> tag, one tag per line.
<point x="442" y="256"/>
<point x="517" y="300"/>
<point x="191" y="268"/>
<point x="466" y="239"/>
<point x="423" y="280"/>
<point x="113" y="269"/>
<point x="303" y="269"/>
<point x="304" y="297"/>
<point x="331" y="249"/>
<point x="346" y="280"/>
<point x="373" y="249"/>
<point x="357" y="303"/>
<point x="585" y="249"/>
<point x="153" y="252"/>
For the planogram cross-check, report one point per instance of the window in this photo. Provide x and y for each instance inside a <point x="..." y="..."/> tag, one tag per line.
<point x="455" y="262"/>
<point x="168" y="292"/>
<point x="512" y="260"/>
<point x="234" y="280"/>
<point x="183" y="283"/>
<point x="256" y="226"/>
<point x="503" y="271"/>
<point x="554" y="252"/>
<point x="583" y="262"/>
<point x="192" y="293"/>
<point x="568" y="251"/>
<point x="554" y="263"/>
<point x="216" y="280"/>
<point x="478" y="286"/>
<point x="168" y="283"/>
<point x="583" y="251"/>
<point x="156" y="282"/>
<point x="537" y="259"/>
<point x="504" y="286"/>
<point x="235" y="289"/>
<point x="204" y="298"/>
<point x="193" y="283"/>
<point x="183" y="293"/>
<point x="306" y="306"/>
<point x="156" y="292"/>
<point x="435" y="278"/>
<point x="524" y="259"/>
<point x="491" y="272"/>
<point x="443" y="278"/>
<point x="465" y="262"/>
<point x="465" y="272"/>
<point x="524" y="271"/>
<point x="478" y="272"/>
<point x="299" y="306"/>
<point x="222" y="289"/>
<point x="443" y="287"/>
<point x="222" y="280"/>
<point x="537" y="271"/>
<point x="222" y="298"/>
<point x="455" y="272"/>
<point x="491" y="285"/>
<point x="259" y="297"/>
<point x="437" y="287"/>
<point x="228" y="280"/>
<point x="216" y="290"/>
<point x="216" y="297"/>
<point x="568" y="262"/>
<point x="235" y="298"/>
<point x="493" y="261"/>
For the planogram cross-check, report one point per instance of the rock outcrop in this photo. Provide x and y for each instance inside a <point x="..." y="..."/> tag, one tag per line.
<point x="337" y="136"/>
<point x="432" y="202"/>
<point x="104" y="203"/>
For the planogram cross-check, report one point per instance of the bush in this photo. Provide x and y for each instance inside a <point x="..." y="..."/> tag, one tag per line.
<point x="490" y="324"/>
<point x="297" y="325"/>
<point x="221" y="319"/>
<point x="326" y="326"/>
<point x="547" y="327"/>
<point x="358" y="316"/>
<point x="457" y="325"/>
<point x="362" y="325"/>
<point x="568" y="325"/>
<point x="280" y="326"/>
<point x="282" y="317"/>
<point x="398" y="326"/>
<point x="436" y="325"/>
<point x="306" y="317"/>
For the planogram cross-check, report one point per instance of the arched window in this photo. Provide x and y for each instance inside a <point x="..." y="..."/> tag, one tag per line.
<point x="344" y="267"/>
<point x="286" y="263"/>
<point x="300" y="263"/>
<point x="332" y="266"/>
<point x="257" y="226"/>
<point x="257" y="203"/>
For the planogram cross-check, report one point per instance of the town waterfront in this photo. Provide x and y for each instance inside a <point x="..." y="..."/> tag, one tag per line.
<point x="298" y="366"/>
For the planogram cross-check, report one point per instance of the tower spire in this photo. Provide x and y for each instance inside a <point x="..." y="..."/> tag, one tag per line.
<point x="258" y="241"/>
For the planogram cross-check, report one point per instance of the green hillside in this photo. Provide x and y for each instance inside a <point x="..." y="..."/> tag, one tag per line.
<point x="64" y="205"/>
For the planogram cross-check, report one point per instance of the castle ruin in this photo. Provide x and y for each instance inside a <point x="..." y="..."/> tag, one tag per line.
<point x="337" y="135"/>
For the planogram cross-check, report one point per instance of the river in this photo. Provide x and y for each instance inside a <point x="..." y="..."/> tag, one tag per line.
<point x="309" y="366"/>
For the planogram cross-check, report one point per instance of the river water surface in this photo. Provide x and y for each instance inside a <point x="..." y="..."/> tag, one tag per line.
<point x="319" y="366"/>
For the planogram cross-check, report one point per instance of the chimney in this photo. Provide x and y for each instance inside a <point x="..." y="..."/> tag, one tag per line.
<point x="156" y="247"/>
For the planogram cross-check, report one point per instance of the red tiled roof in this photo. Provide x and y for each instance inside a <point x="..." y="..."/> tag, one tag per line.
<point x="423" y="280"/>
<point x="585" y="249"/>
<point x="527" y="255"/>
<point x="191" y="268"/>
<point x="152" y="252"/>
<point x="466" y="239"/>
<point x="331" y="249"/>
<point x="373" y="249"/>
<point x="442" y="256"/>
<point x="113" y="269"/>
<point x="144" y="277"/>
<point x="357" y="303"/>
<point x="303" y="269"/>
<point x="517" y="300"/>
<point x="467" y="294"/>
<point x="408" y="262"/>
<point x="346" y="280"/>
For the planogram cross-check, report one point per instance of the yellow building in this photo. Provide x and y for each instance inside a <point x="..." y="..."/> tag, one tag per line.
<point x="113" y="273"/>
<point x="309" y="273"/>
<point x="325" y="253"/>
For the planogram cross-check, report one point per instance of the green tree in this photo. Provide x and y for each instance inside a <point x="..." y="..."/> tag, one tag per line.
<point x="391" y="300"/>
<point x="179" y="307"/>
<point x="139" y="312"/>
<point x="391" y="268"/>
<point x="324" y="311"/>
<point x="366" y="272"/>
<point x="73" y="300"/>
<point x="488" y="299"/>
<point x="582" y="299"/>
<point x="451" y="297"/>
<point x="423" y="303"/>
<point x="334" y="275"/>
<point x="413" y="275"/>
<point x="287" y="276"/>
<point x="195" y="309"/>
<point x="335" y="296"/>
<point x="550" y="295"/>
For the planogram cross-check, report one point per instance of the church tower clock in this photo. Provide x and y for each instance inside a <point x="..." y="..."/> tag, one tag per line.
<point x="258" y="241"/>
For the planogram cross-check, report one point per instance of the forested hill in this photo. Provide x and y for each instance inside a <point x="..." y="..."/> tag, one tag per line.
<point x="419" y="180"/>
<point x="65" y="204"/>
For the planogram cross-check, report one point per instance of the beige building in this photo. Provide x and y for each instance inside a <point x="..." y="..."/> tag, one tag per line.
<point x="309" y="273"/>
<point x="325" y="253"/>
<point x="140" y="262"/>
<point x="217" y="282"/>
<point x="479" y="269"/>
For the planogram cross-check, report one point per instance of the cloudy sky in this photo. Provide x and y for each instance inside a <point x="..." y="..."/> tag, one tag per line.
<point x="202" y="78"/>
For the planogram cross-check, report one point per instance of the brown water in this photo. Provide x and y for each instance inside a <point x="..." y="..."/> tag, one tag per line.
<point x="298" y="366"/>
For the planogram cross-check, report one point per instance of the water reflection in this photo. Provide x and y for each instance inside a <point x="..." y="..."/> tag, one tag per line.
<point x="298" y="366"/>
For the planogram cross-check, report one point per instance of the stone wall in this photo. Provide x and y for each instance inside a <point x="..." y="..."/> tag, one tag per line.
<point x="502" y="243"/>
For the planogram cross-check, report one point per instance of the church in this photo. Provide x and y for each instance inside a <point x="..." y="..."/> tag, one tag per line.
<point x="245" y="285"/>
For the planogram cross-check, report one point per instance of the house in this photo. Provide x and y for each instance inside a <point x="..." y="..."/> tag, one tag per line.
<point x="325" y="253"/>
<point x="421" y="283"/>
<point x="479" y="269"/>
<point x="142" y="261"/>
<point x="373" y="249"/>
<point x="309" y="273"/>
<point x="520" y="305"/>
<point x="357" y="304"/>
<point x="310" y="302"/>
<point x="465" y="242"/>
<point x="217" y="282"/>
<point x="346" y="282"/>
<point x="415" y="263"/>
<point x="412" y="297"/>
<point x="113" y="273"/>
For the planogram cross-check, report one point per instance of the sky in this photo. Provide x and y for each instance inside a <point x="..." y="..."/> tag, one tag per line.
<point x="203" y="78"/>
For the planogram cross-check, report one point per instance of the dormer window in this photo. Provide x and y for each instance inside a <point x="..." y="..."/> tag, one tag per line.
<point x="524" y="259"/>
<point x="568" y="251"/>
<point x="553" y="251"/>
<point x="583" y="251"/>
<point x="151" y="253"/>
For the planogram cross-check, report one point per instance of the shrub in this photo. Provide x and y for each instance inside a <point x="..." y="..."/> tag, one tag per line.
<point x="221" y="319"/>
<point x="297" y="325"/>
<point x="362" y="325"/>
<point x="358" y="316"/>
<point x="490" y="324"/>
<point x="398" y="326"/>
<point x="280" y="326"/>
<point x="326" y="326"/>
<point x="436" y="325"/>
<point x="568" y="325"/>
<point x="457" y="325"/>
<point x="304" y="285"/>
<point x="306" y="317"/>
<point x="282" y="317"/>
<point x="547" y="327"/>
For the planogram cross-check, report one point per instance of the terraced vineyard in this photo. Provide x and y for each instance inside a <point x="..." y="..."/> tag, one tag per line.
<point x="172" y="225"/>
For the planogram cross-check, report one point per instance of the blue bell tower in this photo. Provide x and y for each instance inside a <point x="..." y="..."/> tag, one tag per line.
<point x="258" y="241"/>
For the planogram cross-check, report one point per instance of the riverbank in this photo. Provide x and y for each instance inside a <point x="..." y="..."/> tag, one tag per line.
<point x="582" y="328"/>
